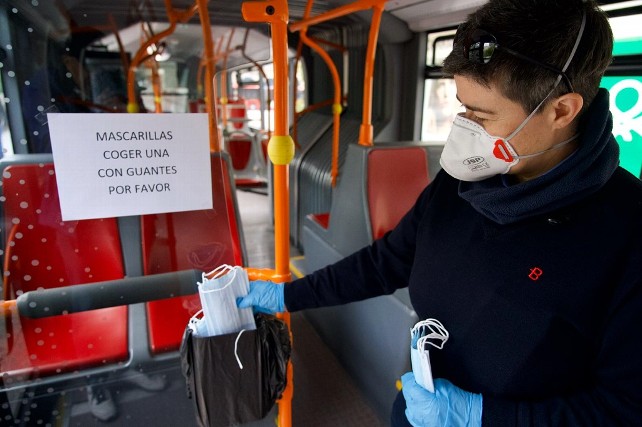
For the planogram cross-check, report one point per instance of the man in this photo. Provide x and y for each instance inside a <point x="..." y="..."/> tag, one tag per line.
<point x="527" y="247"/>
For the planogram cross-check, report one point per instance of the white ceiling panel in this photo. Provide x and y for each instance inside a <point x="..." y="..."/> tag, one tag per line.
<point x="422" y="15"/>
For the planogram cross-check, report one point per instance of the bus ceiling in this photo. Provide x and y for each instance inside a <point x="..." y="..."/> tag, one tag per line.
<point x="400" y="20"/>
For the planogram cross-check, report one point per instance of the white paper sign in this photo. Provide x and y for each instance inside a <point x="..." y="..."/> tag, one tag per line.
<point x="110" y="165"/>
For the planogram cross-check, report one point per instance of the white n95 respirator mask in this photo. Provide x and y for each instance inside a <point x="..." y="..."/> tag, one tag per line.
<point x="472" y="154"/>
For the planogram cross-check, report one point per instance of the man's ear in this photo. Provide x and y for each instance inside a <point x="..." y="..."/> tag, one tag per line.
<point x="565" y="109"/>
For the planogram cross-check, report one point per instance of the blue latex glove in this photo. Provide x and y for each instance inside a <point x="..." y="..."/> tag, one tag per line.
<point x="448" y="406"/>
<point x="264" y="296"/>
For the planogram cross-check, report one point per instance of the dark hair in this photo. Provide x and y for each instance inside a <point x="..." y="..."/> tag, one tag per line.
<point x="545" y="30"/>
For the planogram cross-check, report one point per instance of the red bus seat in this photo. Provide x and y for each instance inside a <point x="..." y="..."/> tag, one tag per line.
<point x="381" y="185"/>
<point x="395" y="180"/>
<point x="42" y="251"/>
<point x="202" y="240"/>
<point x="239" y="145"/>
<point x="237" y="112"/>
<point x="370" y="199"/>
<point x="323" y="219"/>
<point x="248" y="153"/>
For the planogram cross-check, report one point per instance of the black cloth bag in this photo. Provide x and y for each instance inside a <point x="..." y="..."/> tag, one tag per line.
<point x="223" y="393"/>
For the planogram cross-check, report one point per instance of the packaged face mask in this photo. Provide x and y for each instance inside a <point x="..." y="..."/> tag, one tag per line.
<point x="218" y="292"/>
<point x="424" y="333"/>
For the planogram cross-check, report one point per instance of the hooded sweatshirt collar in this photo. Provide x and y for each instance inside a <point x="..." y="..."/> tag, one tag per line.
<point x="580" y="175"/>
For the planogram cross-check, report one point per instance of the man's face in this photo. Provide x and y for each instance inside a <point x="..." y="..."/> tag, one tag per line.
<point x="500" y="117"/>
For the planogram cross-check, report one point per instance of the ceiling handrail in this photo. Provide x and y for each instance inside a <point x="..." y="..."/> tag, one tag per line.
<point x="175" y="16"/>
<point x="377" y="6"/>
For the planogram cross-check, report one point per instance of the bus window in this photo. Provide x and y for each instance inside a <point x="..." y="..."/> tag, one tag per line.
<point x="440" y="101"/>
<point x="174" y="97"/>
<point x="5" y="133"/>
<point x="626" y="93"/>
<point x="302" y="85"/>
<point x="250" y="85"/>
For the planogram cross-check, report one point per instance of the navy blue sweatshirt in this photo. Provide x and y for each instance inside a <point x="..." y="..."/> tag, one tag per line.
<point x="544" y="310"/>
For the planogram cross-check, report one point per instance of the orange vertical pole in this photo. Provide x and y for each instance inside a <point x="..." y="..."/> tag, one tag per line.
<point x="281" y="152"/>
<point x="210" y="90"/>
<point x="336" y="106"/>
<point x="365" y="132"/>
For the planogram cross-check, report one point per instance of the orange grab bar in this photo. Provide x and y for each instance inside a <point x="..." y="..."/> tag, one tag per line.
<point x="174" y="16"/>
<point x="295" y="85"/>
<point x="338" y="12"/>
<point x="210" y="89"/>
<point x="7" y="308"/>
<point x="341" y="48"/>
<point x="121" y="48"/>
<point x="336" y="106"/>
<point x="224" y="97"/>
<point x="150" y="62"/>
<point x="365" y="132"/>
<point x="281" y="152"/>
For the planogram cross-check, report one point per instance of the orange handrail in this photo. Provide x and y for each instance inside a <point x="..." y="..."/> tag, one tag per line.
<point x="210" y="89"/>
<point x="121" y="47"/>
<point x="377" y="6"/>
<point x="281" y="152"/>
<point x="336" y="106"/>
<point x="338" y="12"/>
<point x="174" y="16"/>
<point x="152" y="64"/>
<point x="224" y="98"/>
<point x="8" y="307"/>
<point x="365" y="132"/>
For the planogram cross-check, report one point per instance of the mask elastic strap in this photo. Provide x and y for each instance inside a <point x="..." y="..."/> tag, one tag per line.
<point x="554" y="147"/>
<point x="236" y="344"/>
<point x="557" y="81"/>
<point x="437" y="331"/>
<point x="225" y="286"/>
<point x="421" y="344"/>
<point x="216" y="273"/>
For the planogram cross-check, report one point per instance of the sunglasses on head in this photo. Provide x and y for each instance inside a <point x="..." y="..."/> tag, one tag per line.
<point x="480" y="46"/>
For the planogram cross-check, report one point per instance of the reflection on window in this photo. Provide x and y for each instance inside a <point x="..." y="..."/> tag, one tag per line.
<point x="5" y="133"/>
<point x="440" y="108"/>
<point x="440" y="44"/>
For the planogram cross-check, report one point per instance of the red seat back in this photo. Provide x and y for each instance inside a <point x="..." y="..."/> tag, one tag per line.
<point x="202" y="240"/>
<point x="396" y="177"/>
<point x="239" y="146"/>
<point x="42" y="251"/>
<point x="236" y="110"/>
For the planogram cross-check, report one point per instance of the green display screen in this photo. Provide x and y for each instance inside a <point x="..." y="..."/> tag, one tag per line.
<point x="626" y="105"/>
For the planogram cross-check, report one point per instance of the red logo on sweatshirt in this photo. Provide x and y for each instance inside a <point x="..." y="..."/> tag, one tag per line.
<point x="535" y="273"/>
